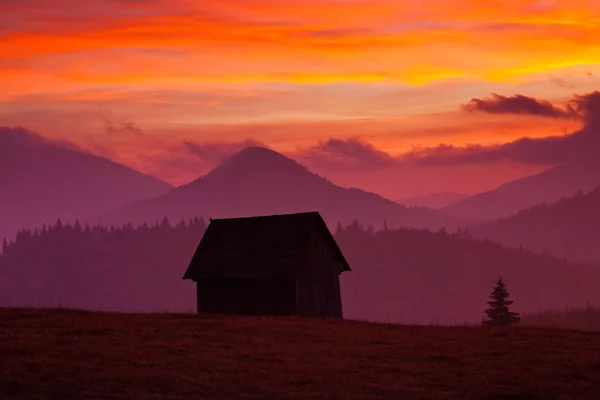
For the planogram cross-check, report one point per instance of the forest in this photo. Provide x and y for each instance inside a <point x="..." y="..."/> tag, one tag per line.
<point x="567" y="228"/>
<point x="404" y="275"/>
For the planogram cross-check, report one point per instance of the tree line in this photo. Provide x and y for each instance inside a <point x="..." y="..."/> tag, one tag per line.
<point x="399" y="275"/>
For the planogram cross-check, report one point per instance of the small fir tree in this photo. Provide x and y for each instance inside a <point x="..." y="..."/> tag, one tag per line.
<point x="498" y="313"/>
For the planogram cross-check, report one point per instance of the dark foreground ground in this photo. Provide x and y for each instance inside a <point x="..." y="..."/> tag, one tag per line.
<point x="54" y="354"/>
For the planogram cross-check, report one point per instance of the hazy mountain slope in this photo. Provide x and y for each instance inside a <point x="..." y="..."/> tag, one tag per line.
<point x="416" y="276"/>
<point x="258" y="181"/>
<point x="41" y="181"/>
<point x="569" y="228"/>
<point x="433" y="200"/>
<point x="548" y="186"/>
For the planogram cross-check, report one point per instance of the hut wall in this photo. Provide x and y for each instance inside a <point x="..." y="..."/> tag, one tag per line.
<point x="264" y="296"/>
<point x="318" y="284"/>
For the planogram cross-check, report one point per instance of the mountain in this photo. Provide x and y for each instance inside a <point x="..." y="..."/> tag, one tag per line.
<point x="569" y="228"/>
<point x="42" y="180"/>
<point x="546" y="187"/>
<point x="259" y="181"/>
<point x="433" y="200"/>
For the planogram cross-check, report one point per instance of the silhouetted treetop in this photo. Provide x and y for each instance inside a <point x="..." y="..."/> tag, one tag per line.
<point x="499" y="313"/>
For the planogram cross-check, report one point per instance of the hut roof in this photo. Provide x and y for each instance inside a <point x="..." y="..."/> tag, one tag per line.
<point x="258" y="247"/>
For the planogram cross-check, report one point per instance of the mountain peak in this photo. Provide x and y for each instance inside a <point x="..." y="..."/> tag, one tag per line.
<point x="257" y="150"/>
<point x="260" y="158"/>
<point x="254" y="153"/>
<point x="259" y="181"/>
<point x="42" y="180"/>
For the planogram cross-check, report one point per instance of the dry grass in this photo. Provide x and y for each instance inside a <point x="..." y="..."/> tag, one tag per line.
<point x="583" y="319"/>
<point x="60" y="354"/>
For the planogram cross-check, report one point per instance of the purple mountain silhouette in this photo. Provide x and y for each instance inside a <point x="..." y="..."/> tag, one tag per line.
<point x="547" y="187"/>
<point x="259" y="181"/>
<point x="433" y="200"/>
<point x="42" y="180"/>
<point x="567" y="229"/>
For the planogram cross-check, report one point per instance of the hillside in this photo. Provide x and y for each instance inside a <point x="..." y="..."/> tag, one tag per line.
<point x="568" y="228"/>
<point x="546" y="187"/>
<point x="433" y="200"/>
<point x="42" y="180"/>
<point x="258" y="181"/>
<point x="412" y="276"/>
<point x="407" y="276"/>
<point x="64" y="354"/>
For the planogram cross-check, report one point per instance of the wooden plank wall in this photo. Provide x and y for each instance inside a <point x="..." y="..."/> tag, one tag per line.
<point x="264" y="296"/>
<point x="318" y="284"/>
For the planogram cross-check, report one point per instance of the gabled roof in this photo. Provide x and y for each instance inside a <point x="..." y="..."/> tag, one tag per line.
<point x="255" y="247"/>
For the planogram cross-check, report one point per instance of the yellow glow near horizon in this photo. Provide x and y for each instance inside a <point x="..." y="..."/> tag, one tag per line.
<point x="176" y="67"/>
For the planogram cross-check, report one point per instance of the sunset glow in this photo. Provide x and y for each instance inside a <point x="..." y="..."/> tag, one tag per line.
<point x="288" y="74"/>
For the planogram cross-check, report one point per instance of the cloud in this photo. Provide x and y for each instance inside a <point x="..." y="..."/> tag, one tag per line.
<point x="578" y="146"/>
<point x="574" y="147"/>
<point x="310" y="41"/>
<point x="181" y="160"/>
<point x="588" y="106"/>
<point x="529" y="151"/>
<point x="519" y="104"/>
<point x="346" y="154"/>
<point x="122" y="128"/>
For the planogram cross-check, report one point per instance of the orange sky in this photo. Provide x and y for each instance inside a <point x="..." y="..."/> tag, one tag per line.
<point x="288" y="73"/>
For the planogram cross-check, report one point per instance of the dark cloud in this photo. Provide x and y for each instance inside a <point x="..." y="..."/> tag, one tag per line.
<point x="519" y="104"/>
<point x="578" y="146"/>
<point x="529" y="151"/>
<point x="345" y="153"/>
<point x="581" y="145"/>
<point x="187" y="159"/>
<point x="588" y="106"/>
<point x="122" y="128"/>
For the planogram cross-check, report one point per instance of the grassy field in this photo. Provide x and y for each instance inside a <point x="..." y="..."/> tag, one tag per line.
<point x="60" y="354"/>
<point x="583" y="319"/>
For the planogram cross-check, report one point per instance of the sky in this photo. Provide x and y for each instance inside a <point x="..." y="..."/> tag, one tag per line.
<point x="360" y="91"/>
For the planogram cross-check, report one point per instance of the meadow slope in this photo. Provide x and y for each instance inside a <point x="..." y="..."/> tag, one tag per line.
<point x="75" y="354"/>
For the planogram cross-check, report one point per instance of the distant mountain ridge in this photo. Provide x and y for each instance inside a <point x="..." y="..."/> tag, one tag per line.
<point x="42" y="180"/>
<point x="547" y="187"/>
<point x="260" y="181"/>
<point x="569" y="228"/>
<point x="433" y="200"/>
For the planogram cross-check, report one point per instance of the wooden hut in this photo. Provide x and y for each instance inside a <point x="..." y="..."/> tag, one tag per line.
<point x="269" y="265"/>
